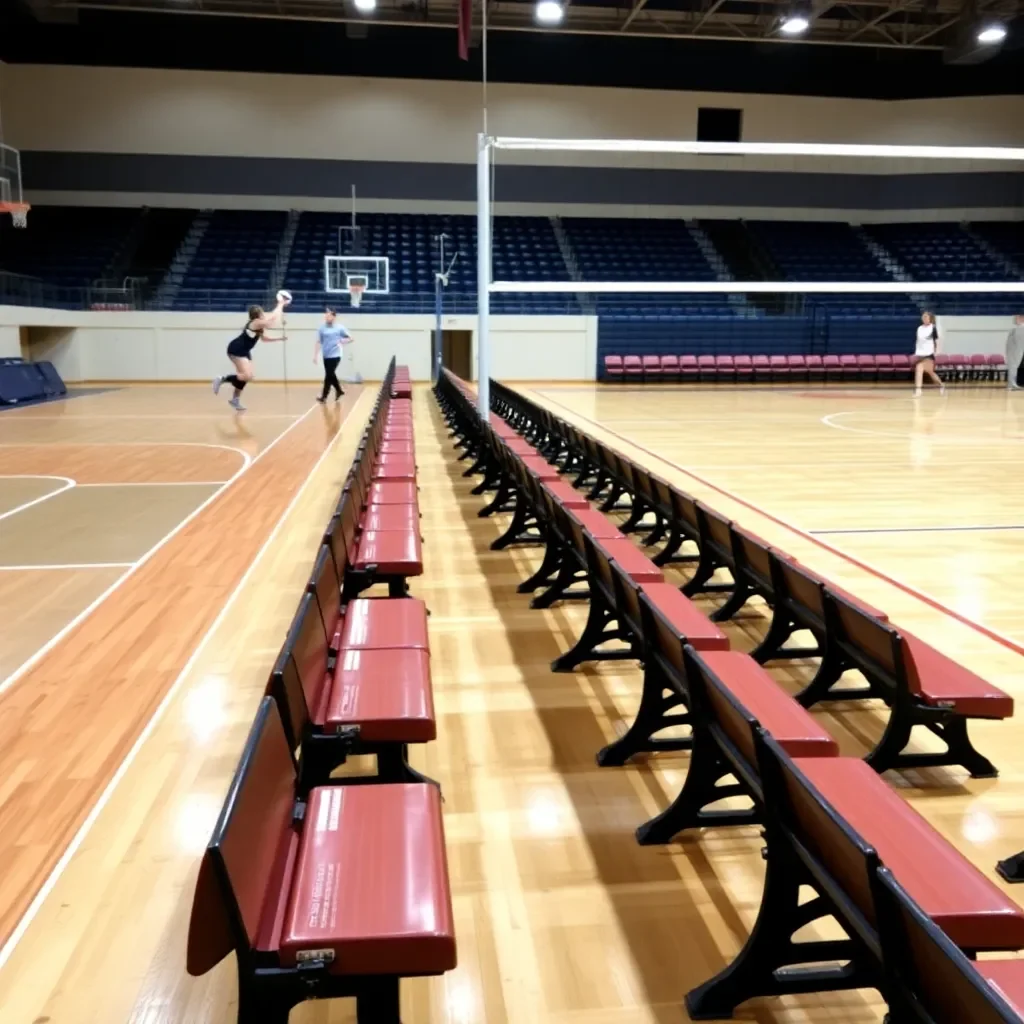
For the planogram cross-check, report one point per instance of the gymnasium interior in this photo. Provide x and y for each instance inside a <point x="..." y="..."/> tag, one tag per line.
<point x="636" y="639"/>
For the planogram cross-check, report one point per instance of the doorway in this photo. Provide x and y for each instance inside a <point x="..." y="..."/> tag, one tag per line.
<point x="457" y="353"/>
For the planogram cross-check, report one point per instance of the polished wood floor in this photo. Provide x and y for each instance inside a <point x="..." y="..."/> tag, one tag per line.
<point x="561" y="917"/>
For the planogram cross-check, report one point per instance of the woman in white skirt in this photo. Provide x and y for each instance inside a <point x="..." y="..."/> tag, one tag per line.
<point x="925" y="350"/>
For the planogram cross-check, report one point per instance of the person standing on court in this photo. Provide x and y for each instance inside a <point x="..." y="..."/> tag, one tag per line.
<point x="926" y="347"/>
<point x="1014" y="352"/>
<point x="330" y="337"/>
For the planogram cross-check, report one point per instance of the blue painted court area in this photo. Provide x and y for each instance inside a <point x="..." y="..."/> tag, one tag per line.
<point x="72" y="393"/>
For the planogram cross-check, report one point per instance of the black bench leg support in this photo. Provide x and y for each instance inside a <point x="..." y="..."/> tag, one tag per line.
<point x="524" y="528"/>
<point x="500" y="502"/>
<point x="569" y="573"/>
<point x="737" y="599"/>
<point x="634" y="524"/>
<point x="701" y="788"/>
<point x="707" y="566"/>
<point x="1012" y="868"/>
<point x="661" y="707"/>
<point x="771" y="963"/>
<point x="546" y="571"/>
<point x="595" y="634"/>
<point x="378" y="1002"/>
<point x="264" y="1003"/>
<point x="950" y="728"/>
<point x="393" y="766"/>
<point x="669" y="554"/>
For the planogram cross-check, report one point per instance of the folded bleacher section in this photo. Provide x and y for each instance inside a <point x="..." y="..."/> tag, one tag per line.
<point x="328" y="886"/>
<point x="841" y="843"/>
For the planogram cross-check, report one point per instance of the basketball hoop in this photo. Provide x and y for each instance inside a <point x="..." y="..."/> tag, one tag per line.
<point x="355" y="292"/>
<point x="18" y="212"/>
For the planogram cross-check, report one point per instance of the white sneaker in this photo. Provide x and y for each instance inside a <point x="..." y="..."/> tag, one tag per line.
<point x="942" y="390"/>
<point x="236" y="405"/>
<point x="216" y="385"/>
<point x="917" y="392"/>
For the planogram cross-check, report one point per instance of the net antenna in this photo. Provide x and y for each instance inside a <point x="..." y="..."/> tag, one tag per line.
<point x="442" y="276"/>
<point x="488" y="145"/>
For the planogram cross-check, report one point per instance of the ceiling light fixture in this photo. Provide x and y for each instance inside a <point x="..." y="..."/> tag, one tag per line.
<point x="794" y="24"/>
<point x="549" y="12"/>
<point x="366" y="6"/>
<point x="994" y="32"/>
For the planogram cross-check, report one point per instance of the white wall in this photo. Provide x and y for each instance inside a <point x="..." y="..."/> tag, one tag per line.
<point x="104" y="345"/>
<point x="10" y="341"/>
<point x="137" y="110"/>
<point x="970" y="335"/>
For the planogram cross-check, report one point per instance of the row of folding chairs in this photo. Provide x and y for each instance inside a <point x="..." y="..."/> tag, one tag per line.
<point x="761" y="368"/>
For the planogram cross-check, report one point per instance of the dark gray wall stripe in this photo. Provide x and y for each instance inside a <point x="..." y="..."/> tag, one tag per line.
<point x="267" y="176"/>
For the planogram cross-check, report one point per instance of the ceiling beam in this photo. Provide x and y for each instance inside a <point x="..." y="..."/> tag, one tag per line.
<point x="638" y="6"/>
<point x="875" y="22"/>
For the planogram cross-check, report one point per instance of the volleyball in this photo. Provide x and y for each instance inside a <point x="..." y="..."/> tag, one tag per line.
<point x="283" y="296"/>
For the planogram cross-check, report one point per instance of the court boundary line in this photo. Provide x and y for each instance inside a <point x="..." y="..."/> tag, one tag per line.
<point x="53" y="878"/>
<point x="920" y="529"/>
<point x="248" y="462"/>
<point x="67" y="565"/>
<point x="992" y="634"/>
<point x="68" y="484"/>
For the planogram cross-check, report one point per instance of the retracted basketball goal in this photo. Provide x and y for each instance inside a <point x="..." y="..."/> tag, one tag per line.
<point x="12" y="199"/>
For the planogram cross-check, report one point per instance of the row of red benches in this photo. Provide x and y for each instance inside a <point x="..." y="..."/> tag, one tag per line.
<point x="325" y="886"/>
<point x="830" y="822"/>
<point x="800" y="367"/>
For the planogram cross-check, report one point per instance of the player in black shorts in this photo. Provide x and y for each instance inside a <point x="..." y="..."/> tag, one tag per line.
<point x="240" y="349"/>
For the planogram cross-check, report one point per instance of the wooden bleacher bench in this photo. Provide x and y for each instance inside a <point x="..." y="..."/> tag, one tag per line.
<point x="342" y="894"/>
<point x="830" y="822"/>
<point x="335" y="707"/>
<point x="920" y="684"/>
<point x="928" y="979"/>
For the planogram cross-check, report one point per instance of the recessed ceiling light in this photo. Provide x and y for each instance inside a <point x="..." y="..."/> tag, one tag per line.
<point x="366" y="5"/>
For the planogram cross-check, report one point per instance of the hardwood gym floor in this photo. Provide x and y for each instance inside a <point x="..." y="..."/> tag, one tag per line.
<point x="561" y="918"/>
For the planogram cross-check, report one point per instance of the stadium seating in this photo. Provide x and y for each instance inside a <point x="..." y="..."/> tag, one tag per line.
<point x="352" y="678"/>
<point x="233" y="264"/>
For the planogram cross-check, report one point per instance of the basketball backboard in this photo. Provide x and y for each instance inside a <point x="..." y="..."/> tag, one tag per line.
<point x="12" y="199"/>
<point x="340" y="272"/>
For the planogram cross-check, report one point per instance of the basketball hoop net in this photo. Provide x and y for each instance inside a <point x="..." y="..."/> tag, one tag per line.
<point x="18" y="212"/>
<point x="355" y="292"/>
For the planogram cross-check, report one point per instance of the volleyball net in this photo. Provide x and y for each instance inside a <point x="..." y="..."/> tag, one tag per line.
<point x="847" y="260"/>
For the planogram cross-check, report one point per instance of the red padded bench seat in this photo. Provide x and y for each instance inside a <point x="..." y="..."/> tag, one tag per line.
<point x="373" y="623"/>
<point x="392" y="492"/>
<point x="938" y="679"/>
<point x="386" y="692"/>
<point x="370" y="882"/>
<point x="341" y="900"/>
<point x="970" y="909"/>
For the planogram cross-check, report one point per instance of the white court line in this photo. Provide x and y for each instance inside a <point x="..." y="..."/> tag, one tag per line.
<point x="68" y="565"/>
<point x="158" y="416"/>
<point x="144" y="444"/>
<point x="68" y="484"/>
<point x="829" y="421"/>
<point x="82" y="615"/>
<point x="158" y="483"/>
<point x="108" y="792"/>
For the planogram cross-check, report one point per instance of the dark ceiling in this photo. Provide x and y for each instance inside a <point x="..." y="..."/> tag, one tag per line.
<point x="662" y="46"/>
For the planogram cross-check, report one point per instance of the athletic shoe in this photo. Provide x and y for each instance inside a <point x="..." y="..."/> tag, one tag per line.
<point x="216" y="385"/>
<point x="236" y="405"/>
<point x="917" y="392"/>
<point x="321" y="400"/>
<point x="942" y="390"/>
<point x="338" y="396"/>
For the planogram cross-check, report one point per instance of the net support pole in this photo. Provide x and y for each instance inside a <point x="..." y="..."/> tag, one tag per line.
<point x="483" y="274"/>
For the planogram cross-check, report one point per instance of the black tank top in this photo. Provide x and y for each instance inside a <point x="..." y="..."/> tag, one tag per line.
<point x="247" y="339"/>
